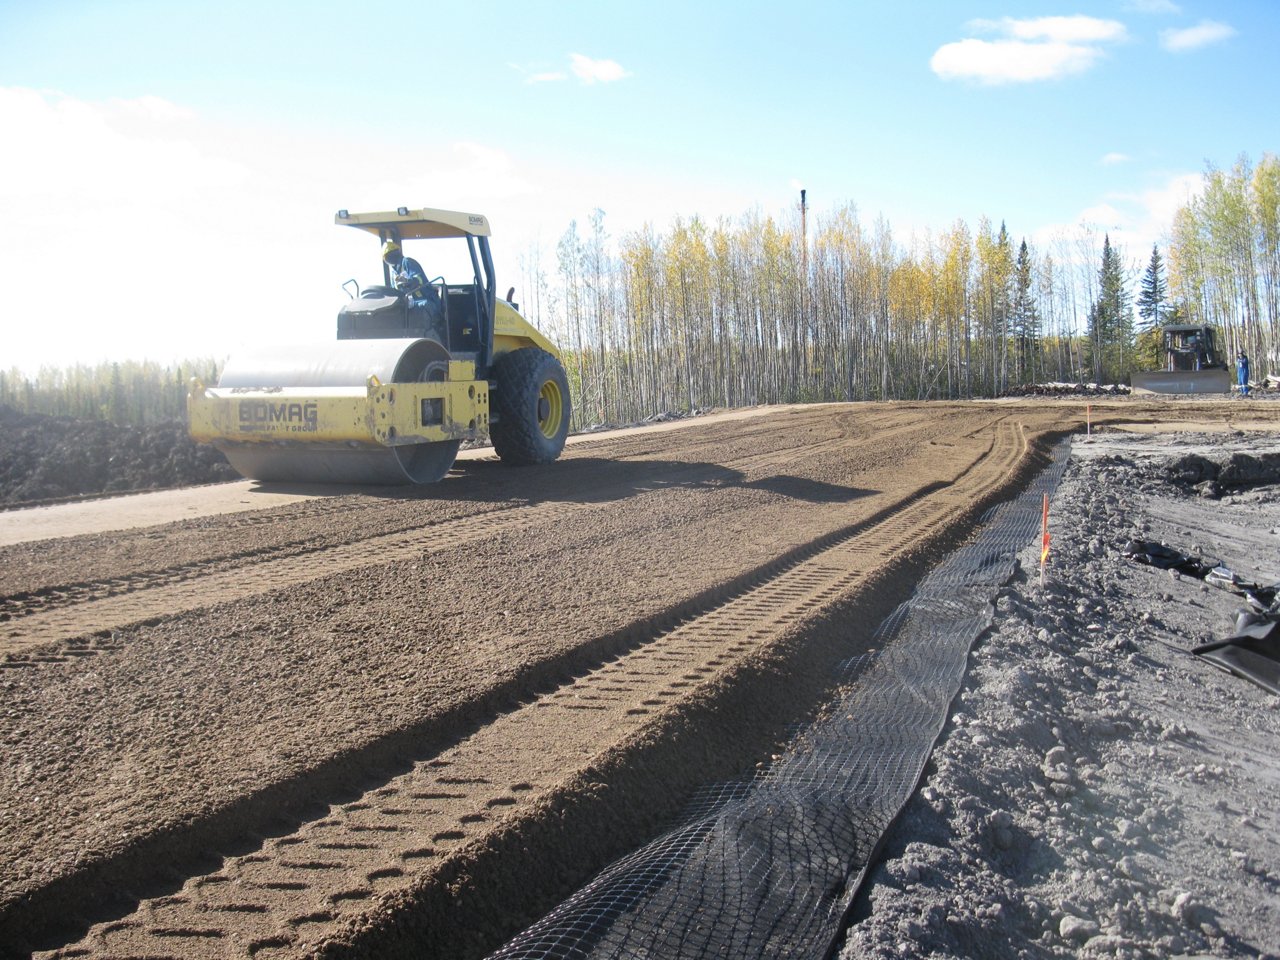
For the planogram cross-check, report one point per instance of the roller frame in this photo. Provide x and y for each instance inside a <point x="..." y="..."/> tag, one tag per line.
<point x="385" y="403"/>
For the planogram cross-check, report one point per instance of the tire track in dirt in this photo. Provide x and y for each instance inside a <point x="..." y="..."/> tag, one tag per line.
<point x="317" y="882"/>
<point x="125" y="559"/>
<point x="79" y="620"/>
<point x="97" y="608"/>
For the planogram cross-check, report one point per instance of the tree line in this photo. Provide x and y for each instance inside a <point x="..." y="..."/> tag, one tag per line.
<point x="760" y="309"/>
<point x="129" y="392"/>
<point x="1224" y="259"/>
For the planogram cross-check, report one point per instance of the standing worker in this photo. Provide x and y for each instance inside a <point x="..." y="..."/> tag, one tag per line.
<point x="1242" y="373"/>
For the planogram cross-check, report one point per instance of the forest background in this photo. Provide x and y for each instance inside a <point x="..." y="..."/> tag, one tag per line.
<point x="823" y="307"/>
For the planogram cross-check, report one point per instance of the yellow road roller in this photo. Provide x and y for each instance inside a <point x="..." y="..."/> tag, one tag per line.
<point x="419" y="365"/>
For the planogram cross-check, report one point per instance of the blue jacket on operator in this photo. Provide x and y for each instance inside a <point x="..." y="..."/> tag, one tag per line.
<point x="407" y="274"/>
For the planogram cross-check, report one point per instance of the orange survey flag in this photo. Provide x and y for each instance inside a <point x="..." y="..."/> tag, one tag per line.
<point x="1044" y="525"/>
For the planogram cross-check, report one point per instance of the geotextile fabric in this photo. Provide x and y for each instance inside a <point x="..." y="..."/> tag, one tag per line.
<point x="770" y="866"/>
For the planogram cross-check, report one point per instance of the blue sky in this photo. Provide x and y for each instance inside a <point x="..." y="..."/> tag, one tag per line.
<point x="198" y="151"/>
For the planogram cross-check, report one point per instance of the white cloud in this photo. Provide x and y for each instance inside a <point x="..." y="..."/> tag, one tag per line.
<point x="1104" y="216"/>
<point x="538" y="73"/>
<point x="1153" y="6"/>
<point x="1075" y="29"/>
<point x="1134" y="221"/>
<point x="222" y="228"/>
<point x="191" y="239"/>
<point x="1160" y="203"/>
<point x="1112" y="159"/>
<point x="586" y="69"/>
<point x="1192" y="38"/>
<point x="471" y="170"/>
<point x="74" y="150"/>
<point x="993" y="62"/>
<point x="1040" y="48"/>
<point x="596" y="71"/>
<point x="153" y="109"/>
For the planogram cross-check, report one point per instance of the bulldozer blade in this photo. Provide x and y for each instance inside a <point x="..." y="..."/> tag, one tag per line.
<point x="1182" y="381"/>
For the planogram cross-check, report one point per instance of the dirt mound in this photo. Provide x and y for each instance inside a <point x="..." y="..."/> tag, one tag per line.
<point x="54" y="458"/>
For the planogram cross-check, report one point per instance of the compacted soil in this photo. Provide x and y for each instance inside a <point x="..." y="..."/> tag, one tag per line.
<point x="404" y="722"/>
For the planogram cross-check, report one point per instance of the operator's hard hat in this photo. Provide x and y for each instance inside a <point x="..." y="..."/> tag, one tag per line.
<point x="389" y="248"/>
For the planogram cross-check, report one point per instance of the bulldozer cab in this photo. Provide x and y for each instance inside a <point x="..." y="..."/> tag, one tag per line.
<point x="1190" y="347"/>
<point x="460" y="315"/>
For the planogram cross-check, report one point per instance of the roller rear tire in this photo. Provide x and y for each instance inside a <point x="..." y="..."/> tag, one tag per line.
<point x="531" y="400"/>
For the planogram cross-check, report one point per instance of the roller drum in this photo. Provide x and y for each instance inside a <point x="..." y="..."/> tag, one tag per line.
<point x="341" y="363"/>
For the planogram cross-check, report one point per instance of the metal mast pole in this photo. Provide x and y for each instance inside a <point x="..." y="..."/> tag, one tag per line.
<point x="804" y="277"/>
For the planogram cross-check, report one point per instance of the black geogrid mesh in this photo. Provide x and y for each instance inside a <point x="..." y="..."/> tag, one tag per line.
<point x="768" y="867"/>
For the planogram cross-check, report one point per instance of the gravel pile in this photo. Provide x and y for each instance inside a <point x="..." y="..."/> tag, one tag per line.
<point x="1100" y="791"/>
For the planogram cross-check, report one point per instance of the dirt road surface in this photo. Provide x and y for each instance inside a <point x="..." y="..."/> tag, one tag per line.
<point x="405" y="722"/>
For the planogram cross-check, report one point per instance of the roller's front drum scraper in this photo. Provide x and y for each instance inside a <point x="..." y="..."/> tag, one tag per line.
<point x="337" y="412"/>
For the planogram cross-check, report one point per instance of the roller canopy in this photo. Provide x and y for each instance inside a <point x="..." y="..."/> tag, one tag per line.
<point x="424" y="224"/>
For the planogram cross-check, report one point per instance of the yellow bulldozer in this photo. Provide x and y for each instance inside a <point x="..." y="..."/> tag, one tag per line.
<point x="1193" y="363"/>
<point x="415" y="370"/>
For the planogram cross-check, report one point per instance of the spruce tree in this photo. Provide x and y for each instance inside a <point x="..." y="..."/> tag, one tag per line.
<point x="1154" y="311"/>
<point x="1025" y="318"/>
<point x="1110" y="320"/>
<point x="1153" y="293"/>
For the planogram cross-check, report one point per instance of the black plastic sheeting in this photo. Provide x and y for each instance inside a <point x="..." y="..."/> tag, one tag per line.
<point x="1252" y="654"/>
<point x="1253" y="651"/>
<point x="1261" y="598"/>
<point x="769" y="867"/>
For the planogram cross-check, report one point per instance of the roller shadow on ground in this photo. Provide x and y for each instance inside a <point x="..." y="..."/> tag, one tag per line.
<point x="597" y="480"/>
<point x="580" y="480"/>
<point x="802" y="488"/>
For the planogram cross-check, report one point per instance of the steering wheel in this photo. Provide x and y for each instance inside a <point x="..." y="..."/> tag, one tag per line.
<point x="368" y="293"/>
